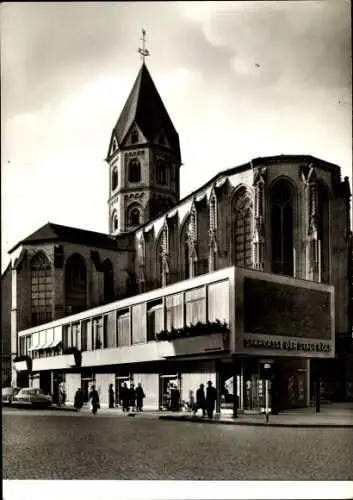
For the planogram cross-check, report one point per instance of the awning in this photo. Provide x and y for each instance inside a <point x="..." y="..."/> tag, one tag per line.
<point x="34" y="348"/>
<point x="53" y="343"/>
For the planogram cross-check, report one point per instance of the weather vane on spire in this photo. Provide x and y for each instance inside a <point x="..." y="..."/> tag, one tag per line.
<point x="144" y="52"/>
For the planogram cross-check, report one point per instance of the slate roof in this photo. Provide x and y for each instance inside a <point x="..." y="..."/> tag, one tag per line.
<point x="54" y="232"/>
<point x="145" y="106"/>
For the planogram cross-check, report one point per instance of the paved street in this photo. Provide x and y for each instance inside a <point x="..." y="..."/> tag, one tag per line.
<point x="49" y="444"/>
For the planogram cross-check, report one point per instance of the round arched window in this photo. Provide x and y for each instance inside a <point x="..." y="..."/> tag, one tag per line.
<point x="134" y="171"/>
<point x="161" y="172"/>
<point x="134" y="217"/>
<point x="114" y="178"/>
<point x="115" y="222"/>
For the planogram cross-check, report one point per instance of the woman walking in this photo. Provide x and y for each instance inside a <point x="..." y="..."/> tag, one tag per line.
<point x="111" y="396"/>
<point x="78" y="402"/>
<point x="94" y="398"/>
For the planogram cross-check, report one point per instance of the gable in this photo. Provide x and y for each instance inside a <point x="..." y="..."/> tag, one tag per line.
<point x="161" y="139"/>
<point x="113" y="146"/>
<point x="134" y="136"/>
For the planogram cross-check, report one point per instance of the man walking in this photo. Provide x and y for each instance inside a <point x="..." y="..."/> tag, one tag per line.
<point x="94" y="398"/>
<point x="139" y="397"/>
<point x="211" y="398"/>
<point x="200" y="400"/>
<point x="124" y="396"/>
<point x="132" y="397"/>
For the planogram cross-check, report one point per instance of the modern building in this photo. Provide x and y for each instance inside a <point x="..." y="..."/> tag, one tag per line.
<point x="250" y="270"/>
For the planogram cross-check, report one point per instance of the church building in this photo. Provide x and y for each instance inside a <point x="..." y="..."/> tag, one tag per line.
<point x="247" y="278"/>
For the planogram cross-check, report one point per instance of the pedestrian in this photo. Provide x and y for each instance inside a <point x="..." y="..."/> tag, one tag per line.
<point x="140" y="395"/>
<point x="94" y="398"/>
<point x="78" y="401"/>
<point x="211" y="398"/>
<point x="174" y="398"/>
<point x="200" y="400"/>
<point x="111" y="396"/>
<point x="62" y="393"/>
<point x="132" y="397"/>
<point x="124" y="396"/>
<point x="191" y="403"/>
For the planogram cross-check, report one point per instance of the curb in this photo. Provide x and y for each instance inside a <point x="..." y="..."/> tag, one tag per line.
<point x="254" y="424"/>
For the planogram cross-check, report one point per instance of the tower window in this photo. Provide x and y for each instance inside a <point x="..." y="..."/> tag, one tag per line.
<point x="134" y="217"/>
<point x="161" y="172"/>
<point x="282" y="214"/>
<point x="134" y="136"/>
<point x="162" y="139"/>
<point x="134" y="171"/>
<point x="114" y="178"/>
<point x="115" y="222"/>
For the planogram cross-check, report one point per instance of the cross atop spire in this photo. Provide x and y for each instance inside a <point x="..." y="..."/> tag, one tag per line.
<point x="144" y="52"/>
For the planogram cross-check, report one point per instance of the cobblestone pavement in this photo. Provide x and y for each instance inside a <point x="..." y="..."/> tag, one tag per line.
<point x="42" y="444"/>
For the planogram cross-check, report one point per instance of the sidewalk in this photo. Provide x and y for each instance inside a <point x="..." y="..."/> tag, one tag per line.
<point x="338" y="415"/>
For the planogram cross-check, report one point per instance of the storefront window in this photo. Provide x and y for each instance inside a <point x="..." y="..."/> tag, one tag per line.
<point x="174" y="311"/>
<point x="124" y="336"/>
<point x="155" y="319"/>
<point x="195" y="301"/>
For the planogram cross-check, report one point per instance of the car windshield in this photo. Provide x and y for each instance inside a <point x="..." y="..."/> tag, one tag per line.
<point x="23" y="392"/>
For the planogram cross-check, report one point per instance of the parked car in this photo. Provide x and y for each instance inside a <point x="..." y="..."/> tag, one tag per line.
<point x="32" y="397"/>
<point x="8" y="394"/>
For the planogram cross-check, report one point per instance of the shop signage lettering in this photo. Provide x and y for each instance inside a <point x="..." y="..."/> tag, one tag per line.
<point x="287" y="345"/>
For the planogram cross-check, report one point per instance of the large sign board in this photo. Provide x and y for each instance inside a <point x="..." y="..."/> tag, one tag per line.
<point x="289" y="311"/>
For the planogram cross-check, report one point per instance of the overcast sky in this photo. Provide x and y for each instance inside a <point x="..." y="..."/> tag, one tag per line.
<point x="239" y="80"/>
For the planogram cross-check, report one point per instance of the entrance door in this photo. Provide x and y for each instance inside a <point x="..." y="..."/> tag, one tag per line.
<point x="86" y="384"/>
<point x="119" y="382"/>
<point x="166" y="383"/>
<point x="58" y="379"/>
<point x="45" y="382"/>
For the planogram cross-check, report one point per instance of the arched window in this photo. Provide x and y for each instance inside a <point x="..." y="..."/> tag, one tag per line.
<point x="114" y="178"/>
<point x="134" y="171"/>
<point x="41" y="289"/>
<point x="323" y="230"/>
<point x="75" y="284"/>
<point x="115" y="221"/>
<point x="134" y="217"/>
<point x="242" y="228"/>
<point x="161" y="172"/>
<point x="108" y="281"/>
<point x="282" y="214"/>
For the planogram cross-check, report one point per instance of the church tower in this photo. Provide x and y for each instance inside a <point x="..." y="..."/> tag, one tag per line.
<point x="143" y="157"/>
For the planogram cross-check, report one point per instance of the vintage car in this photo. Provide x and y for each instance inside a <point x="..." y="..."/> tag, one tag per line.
<point x="8" y="394"/>
<point x="33" y="398"/>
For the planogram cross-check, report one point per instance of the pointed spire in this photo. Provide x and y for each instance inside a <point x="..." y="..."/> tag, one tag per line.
<point x="145" y="107"/>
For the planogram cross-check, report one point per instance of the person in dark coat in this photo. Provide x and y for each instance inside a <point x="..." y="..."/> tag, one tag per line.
<point x="211" y="398"/>
<point x="174" y="398"/>
<point x="132" y="397"/>
<point x="94" y="398"/>
<point x="124" y="397"/>
<point x="78" y="401"/>
<point x="200" y="400"/>
<point x="139" y="397"/>
<point x="111" y="396"/>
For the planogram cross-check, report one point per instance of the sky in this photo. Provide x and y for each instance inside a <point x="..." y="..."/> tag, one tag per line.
<point x="239" y="80"/>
